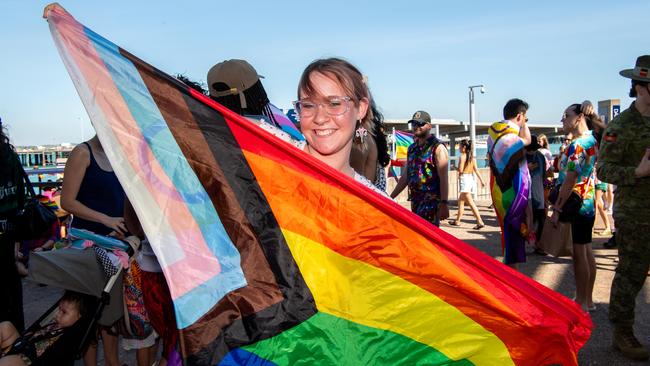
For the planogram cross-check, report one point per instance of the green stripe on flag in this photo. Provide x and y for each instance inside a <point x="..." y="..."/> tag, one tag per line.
<point x="325" y="339"/>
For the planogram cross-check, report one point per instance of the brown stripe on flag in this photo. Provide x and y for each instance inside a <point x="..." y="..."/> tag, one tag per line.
<point x="240" y="318"/>
<point x="298" y="304"/>
<point x="262" y="290"/>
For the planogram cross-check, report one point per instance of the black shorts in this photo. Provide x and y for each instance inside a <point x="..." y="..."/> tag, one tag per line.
<point x="581" y="228"/>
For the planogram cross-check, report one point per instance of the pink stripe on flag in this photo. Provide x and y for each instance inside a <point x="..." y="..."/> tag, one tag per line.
<point x="198" y="264"/>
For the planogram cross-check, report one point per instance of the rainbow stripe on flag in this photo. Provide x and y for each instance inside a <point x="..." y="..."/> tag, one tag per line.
<point x="272" y="257"/>
<point x="402" y="142"/>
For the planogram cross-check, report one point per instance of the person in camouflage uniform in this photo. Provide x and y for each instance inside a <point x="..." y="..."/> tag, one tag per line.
<point x="625" y="161"/>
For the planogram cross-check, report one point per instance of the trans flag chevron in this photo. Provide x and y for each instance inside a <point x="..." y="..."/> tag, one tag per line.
<point x="273" y="258"/>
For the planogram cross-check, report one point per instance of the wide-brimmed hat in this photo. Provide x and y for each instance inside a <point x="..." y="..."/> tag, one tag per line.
<point x="239" y="75"/>
<point x="641" y="70"/>
<point x="420" y="117"/>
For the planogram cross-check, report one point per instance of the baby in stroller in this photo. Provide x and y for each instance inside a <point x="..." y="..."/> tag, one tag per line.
<point x="56" y="343"/>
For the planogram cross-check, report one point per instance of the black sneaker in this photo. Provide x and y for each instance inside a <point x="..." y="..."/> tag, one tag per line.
<point x="611" y="243"/>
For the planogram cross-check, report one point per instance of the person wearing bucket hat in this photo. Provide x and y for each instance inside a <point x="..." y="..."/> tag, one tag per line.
<point x="625" y="161"/>
<point x="426" y="172"/>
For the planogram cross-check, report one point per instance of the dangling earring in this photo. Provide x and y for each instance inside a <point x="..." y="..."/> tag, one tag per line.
<point x="360" y="134"/>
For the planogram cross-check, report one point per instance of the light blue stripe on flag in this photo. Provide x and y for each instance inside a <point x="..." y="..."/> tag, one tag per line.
<point x="165" y="149"/>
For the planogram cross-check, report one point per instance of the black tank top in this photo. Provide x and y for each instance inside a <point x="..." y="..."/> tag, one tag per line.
<point x="101" y="191"/>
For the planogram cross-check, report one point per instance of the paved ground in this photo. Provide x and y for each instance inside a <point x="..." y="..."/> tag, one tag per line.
<point x="555" y="273"/>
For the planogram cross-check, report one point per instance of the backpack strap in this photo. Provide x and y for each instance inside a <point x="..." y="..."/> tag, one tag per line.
<point x="28" y="185"/>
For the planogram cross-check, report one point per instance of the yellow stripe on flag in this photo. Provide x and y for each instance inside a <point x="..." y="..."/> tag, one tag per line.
<point x="361" y="293"/>
<point x="401" y="152"/>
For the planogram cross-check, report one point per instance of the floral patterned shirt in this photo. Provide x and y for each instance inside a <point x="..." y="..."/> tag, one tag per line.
<point x="580" y="157"/>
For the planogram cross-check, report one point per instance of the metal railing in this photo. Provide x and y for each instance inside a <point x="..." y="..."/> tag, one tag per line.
<point x="482" y="193"/>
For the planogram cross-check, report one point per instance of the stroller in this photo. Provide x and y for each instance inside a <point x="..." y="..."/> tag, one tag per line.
<point x="83" y="270"/>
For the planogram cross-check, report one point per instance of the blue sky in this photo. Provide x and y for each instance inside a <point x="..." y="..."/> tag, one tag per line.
<point x="417" y="54"/>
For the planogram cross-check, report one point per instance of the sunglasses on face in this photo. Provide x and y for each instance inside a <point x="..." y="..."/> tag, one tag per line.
<point x="417" y="124"/>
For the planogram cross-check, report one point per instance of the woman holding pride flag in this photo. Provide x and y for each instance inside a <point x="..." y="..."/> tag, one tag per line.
<point x="299" y="229"/>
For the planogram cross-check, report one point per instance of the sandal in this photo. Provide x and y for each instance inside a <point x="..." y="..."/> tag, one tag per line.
<point x="478" y="226"/>
<point x="454" y="223"/>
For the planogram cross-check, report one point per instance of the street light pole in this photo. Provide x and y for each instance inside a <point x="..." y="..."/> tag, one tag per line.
<point x="472" y="116"/>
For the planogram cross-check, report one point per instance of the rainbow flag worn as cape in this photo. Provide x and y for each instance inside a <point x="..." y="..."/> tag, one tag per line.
<point x="272" y="257"/>
<point x="510" y="185"/>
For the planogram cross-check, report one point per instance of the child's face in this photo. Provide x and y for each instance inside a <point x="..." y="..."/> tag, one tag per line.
<point x="68" y="314"/>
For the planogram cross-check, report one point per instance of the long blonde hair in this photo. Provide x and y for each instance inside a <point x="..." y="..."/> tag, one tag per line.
<point x="543" y="140"/>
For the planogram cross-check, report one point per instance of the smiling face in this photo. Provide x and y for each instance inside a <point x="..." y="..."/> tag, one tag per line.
<point x="330" y="135"/>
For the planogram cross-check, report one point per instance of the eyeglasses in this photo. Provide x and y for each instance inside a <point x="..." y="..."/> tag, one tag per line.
<point x="334" y="106"/>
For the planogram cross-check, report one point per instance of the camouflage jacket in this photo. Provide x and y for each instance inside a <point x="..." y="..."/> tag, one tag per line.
<point x="622" y="147"/>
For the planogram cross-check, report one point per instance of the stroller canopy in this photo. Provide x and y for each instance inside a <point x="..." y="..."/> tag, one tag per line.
<point x="77" y="270"/>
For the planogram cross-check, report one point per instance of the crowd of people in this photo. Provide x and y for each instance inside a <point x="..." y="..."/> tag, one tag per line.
<point x="527" y="182"/>
<point x="342" y="126"/>
<point x="524" y="188"/>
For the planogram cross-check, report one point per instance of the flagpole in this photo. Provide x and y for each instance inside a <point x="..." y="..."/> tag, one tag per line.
<point x="394" y="144"/>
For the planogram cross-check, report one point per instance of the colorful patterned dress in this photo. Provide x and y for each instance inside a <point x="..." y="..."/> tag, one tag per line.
<point x="510" y="186"/>
<point x="580" y="157"/>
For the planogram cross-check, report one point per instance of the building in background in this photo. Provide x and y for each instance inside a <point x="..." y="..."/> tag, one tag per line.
<point x="44" y="156"/>
<point x="608" y="109"/>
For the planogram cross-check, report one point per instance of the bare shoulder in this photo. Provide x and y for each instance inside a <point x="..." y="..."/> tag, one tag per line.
<point x="441" y="150"/>
<point x="79" y="156"/>
<point x="80" y="149"/>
